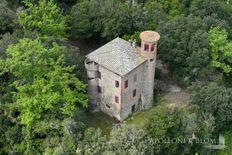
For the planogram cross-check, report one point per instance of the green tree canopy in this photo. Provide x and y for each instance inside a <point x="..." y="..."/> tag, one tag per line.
<point x="45" y="17"/>
<point x="8" y="18"/>
<point x="45" y="88"/>
<point x="91" y="17"/>
<point x="221" y="49"/>
<point x="185" y="48"/>
<point x="216" y="100"/>
<point x="170" y="8"/>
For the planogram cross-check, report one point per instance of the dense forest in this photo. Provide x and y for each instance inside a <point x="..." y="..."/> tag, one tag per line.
<point x="43" y="98"/>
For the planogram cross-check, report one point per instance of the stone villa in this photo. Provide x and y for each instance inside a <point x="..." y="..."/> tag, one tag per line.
<point x="121" y="75"/>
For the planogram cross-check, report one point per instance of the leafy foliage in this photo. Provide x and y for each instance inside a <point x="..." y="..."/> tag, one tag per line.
<point x="45" y="18"/>
<point x="123" y="140"/>
<point x="41" y="74"/>
<point x="184" y="47"/>
<point x="90" y="17"/>
<point x="221" y="49"/>
<point x="41" y="99"/>
<point x="8" y="18"/>
<point x="80" y="21"/>
<point x="170" y="8"/>
<point x="214" y="99"/>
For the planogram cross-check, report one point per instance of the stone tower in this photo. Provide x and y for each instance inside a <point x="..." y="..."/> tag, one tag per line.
<point x="92" y="73"/>
<point x="149" y="41"/>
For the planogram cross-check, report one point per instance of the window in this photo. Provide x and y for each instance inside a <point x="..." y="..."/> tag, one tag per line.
<point x="116" y="84"/>
<point x="99" y="89"/>
<point x="135" y="77"/>
<point x="126" y="83"/>
<point x="152" y="47"/>
<point x="134" y="93"/>
<point x="99" y="74"/>
<point x="116" y="99"/>
<point x="146" y="47"/>
<point x="107" y="105"/>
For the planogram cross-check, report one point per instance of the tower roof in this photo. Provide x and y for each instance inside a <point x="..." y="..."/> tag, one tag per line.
<point x="118" y="56"/>
<point x="149" y="36"/>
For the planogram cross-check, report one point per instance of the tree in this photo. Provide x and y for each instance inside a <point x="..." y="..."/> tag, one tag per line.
<point x="185" y="48"/>
<point x="80" y="21"/>
<point x="7" y="18"/>
<point x="217" y="9"/>
<point x="123" y="140"/>
<point x="46" y="94"/>
<point x="124" y="20"/>
<point x="92" y="17"/>
<point x="170" y="8"/>
<point x="176" y="122"/>
<point x="93" y="143"/>
<point x="215" y="100"/>
<point x="221" y="50"/>
<point x="40" y="73"/>
<point x="46" y="18"/>
<point x="129" y="140"/>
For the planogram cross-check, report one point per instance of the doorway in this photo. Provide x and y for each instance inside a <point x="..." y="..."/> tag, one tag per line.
<point x="133" y="108"/>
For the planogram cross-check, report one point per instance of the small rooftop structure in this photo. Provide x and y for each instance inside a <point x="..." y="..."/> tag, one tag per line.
<point x="149" y="36"/>
<point x="118" y="56"/>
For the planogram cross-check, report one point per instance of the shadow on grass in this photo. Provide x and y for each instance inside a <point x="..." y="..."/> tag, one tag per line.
<point x="100" y="120"/>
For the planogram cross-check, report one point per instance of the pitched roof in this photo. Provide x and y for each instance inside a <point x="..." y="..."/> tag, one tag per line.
<point x="118" y="56"/>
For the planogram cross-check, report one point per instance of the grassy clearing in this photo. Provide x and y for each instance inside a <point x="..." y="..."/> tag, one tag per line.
<point x="99" y="120"/>
<point x="104" y="122"/>
<point x="140" y="118"/>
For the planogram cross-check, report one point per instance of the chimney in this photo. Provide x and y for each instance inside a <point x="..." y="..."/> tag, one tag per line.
<point x="130" y="41"/>
<point x="134" y="43"/>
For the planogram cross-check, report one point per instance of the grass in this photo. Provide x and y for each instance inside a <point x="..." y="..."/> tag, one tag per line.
<point x="140" y="118"/>
<point x="100" y="120"/>
<point x="104" y="122"/>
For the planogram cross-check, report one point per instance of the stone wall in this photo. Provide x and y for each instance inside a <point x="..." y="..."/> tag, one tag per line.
<point x="109" y="91"/>
<point x="127" y="93"/>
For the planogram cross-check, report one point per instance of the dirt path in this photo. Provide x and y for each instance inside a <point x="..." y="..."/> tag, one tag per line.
<point x="174" y="97"/>
<point x="171" y="92"/>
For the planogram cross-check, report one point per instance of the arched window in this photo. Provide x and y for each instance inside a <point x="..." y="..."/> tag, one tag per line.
<point x="146" y="47"/>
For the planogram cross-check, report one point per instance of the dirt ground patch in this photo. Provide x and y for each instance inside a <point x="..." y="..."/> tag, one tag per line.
<point x="181" y="97"/>
<point x="171" y="92"/>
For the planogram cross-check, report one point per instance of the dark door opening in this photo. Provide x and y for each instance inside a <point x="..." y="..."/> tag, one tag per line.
<point x="133" y="108"/>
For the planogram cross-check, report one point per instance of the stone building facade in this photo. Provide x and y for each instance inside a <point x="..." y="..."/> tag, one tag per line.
<point x="121" y="75"/>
